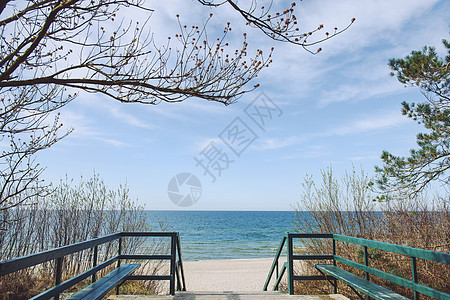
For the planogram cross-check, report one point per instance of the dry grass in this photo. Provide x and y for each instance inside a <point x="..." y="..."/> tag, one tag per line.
<point x="71" y="214"/>
<point x="346" y="207"/>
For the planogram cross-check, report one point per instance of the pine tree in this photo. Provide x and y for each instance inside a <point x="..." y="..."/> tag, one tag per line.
<point x="408" y="176"/>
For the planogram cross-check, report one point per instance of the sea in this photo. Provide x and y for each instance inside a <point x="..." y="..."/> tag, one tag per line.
<point x="208" y="235"/>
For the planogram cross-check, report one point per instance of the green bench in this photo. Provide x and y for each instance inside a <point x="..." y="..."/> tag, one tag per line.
<point x="358" y="283"/>
<point x="101" y="287"/>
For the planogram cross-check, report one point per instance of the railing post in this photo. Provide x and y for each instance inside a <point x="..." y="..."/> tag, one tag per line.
<point x="58" y="273"/>
<point x="177" y="270"/>
<point x="290" y="265"/>
<point x="94" y="263"/>
<point x="172" y="265"/>
<point x="414" y="275"/>
<point x="334" y="264"/>
<point x="275" y="262"/>
<point x="276" y="269"/>
<point x="366" y="263"/>
<point x="119" y="252"/>
<point x="180" y="265"/>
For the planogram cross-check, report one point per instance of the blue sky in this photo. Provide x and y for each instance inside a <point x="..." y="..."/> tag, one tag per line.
<point x="338" y="108"/>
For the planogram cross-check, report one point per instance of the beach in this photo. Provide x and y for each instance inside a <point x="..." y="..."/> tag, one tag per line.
<point x="229" y="279"/>
<point x="228" y="275"/>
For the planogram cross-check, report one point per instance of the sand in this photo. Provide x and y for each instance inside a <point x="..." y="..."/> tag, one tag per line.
<point x="229" y="279"/>
<point x="228" y="275"/>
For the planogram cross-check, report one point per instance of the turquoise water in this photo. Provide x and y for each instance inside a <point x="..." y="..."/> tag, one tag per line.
<point x="226" y="234"/>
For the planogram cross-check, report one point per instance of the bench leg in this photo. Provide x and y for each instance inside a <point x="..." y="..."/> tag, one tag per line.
<point x="333" y="281"/>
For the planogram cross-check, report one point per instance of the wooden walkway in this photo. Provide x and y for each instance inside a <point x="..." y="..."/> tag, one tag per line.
<point x="230" y="296"/>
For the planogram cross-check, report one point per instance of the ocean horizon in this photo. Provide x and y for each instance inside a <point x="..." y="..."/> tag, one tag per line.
<point x="213" y="234"/>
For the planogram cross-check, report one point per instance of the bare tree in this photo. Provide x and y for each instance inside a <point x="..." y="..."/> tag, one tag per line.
<point x="52" y="49"/>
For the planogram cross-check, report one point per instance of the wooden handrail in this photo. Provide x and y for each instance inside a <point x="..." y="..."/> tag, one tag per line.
<point x="413" y="253"/>
<point x="57" y="254"/>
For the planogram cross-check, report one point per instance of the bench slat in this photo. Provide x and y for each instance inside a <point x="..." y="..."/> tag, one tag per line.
<point x="102" y="286"/>
<point x="369" y="288"/>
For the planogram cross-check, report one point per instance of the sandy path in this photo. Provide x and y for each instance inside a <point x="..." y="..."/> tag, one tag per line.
<point x="228" y="275"/>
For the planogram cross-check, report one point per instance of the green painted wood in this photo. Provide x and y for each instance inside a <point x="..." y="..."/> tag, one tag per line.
<point x="275" y="262"/>
<point x="149" y="277"/>
<point x="369" y="288"/>
<point x="173" y="254"/>
<point x="414" y="275"/>
<point x="145" y="257"/>
<point x="395" y="279"/>
<point x="404" y="250"/>
<point x="311" y="235"/>
<point x="148" y="233"/>
<point x="334" y="264"/>
<point x="312" y="257"/>
<point x="290" y="261"/>
<point x="73" y="281"/>
<point x="180" y="264"/>
<point x="280" y="276"/>
<point x="16" y="264"/>
<point x="102" y="286"/>
<point x="23" y="262"/>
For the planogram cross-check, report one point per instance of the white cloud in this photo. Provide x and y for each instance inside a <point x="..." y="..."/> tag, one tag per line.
<point x="112" y="142"/>
<point x="278" y="143"/>
<point x="359" y="91"/>
<point x="357" y="59"/>
<point x="128" y="118"/>
<point x="82" y="126"/>
<point x="368" y="124"/>
<point x="200" y="146"/>
<point x="308" y="151"/>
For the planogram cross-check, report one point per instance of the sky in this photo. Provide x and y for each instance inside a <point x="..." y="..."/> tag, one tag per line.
<point x="339" y="108"/>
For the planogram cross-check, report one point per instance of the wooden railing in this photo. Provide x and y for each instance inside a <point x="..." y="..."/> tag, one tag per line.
<point x="176" y="274"/>
<point x="412" y="253"/>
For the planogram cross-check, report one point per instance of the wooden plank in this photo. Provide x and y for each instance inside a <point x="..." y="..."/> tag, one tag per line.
<point x="404" y="250"/>
<point x="180" y="263"/>
<point x="313" y="257"/>
<point x="72" y="281"/>
<point x="280" y="276"/>
<point x="290" y="266"/>
<point x="395" y="279"/>
<point x="145" y="257"/>
<point x="275" y="262"/>
<point x="23" y="262"/>
<point x="102" y="286"/>
<point x="311" y="235"/>
<point x="369" y="288"/>
<point x="147" y="234"/>
<point x="149" y="277"/>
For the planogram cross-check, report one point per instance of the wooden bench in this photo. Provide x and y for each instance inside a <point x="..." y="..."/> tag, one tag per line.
<point x="101" y="287"/>
<point x="358" y="283"/>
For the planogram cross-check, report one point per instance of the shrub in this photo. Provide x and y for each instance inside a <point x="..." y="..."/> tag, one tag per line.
<point x="346" y="207"/>
<point x="71" y="213"/>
